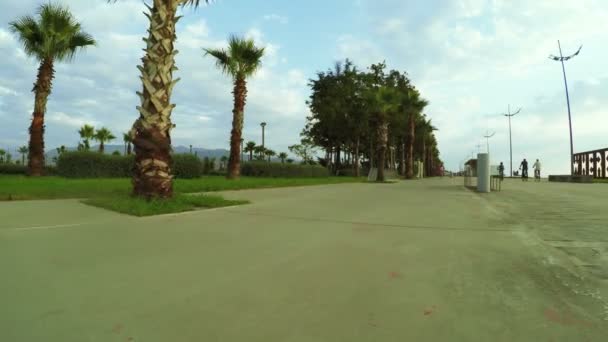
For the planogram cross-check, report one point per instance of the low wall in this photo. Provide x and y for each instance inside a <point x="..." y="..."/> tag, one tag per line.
<point x="571" y="179"/>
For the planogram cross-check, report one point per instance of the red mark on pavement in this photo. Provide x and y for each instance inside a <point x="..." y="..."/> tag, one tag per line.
<point x="565" y="319"/>
<point x="394" y="275"/>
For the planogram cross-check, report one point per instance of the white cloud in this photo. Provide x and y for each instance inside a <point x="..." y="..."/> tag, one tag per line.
<point x="4" y="91"/>
<point x="65" y="119"/>
<point x="275" y="17"/>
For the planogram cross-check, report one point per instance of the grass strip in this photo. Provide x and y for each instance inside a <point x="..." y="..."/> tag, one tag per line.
<point x="179" y="203"/>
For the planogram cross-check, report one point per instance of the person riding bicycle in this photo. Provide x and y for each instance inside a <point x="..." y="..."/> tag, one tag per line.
<point x="536" y="167"/>
<point x="524" y="170"/>
<point x="501" y="171"/>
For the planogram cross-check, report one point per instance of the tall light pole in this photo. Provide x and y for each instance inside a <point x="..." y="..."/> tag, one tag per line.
<point x="561" y="59"/>
<point x="263" y="124"/>
<point x="510" y="115"/>
<point x="488" y="136"/>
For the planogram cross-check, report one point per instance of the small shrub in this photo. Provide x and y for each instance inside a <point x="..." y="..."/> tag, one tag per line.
<point x="264" y="169"/>
<point x="351" y="172"/>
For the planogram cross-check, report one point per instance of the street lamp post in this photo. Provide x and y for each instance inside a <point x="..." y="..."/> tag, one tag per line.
<point x="263" y="124"/>
<point x="561" y="59"/>
<point x="488" y="136"/>
<point x="510" y="115"/>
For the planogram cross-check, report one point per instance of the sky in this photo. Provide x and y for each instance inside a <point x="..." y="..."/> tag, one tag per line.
<point x="470" y="59"/>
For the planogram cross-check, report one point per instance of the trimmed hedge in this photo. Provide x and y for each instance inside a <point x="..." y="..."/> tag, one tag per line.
<point x="187" y="166"/>
<point x="265" y="169"/>
<point x="15" y="169"/>
<point x="86" y="164"/>
<point x="12" y="169"/>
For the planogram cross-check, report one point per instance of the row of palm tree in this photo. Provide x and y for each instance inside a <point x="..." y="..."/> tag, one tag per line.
<point x="262" y="153"/>
<point x="56" y="36"/>
<point x="7" y="157"/>
<point x="353" y="109"/>
<point x="88" y="133"/>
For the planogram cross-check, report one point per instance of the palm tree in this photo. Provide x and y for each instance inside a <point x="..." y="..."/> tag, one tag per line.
<point x="241" y="60"/>
<point x="382" y="101"/>
<point x="414" y="106"/>
<point x="23" y="150"/>
<point x="151" y="131"/>
<point x="87" y="133"/>
<point x="103" y="135"/>
<point x="55" y="37"/>
<point x="270" y="153"/>
<point x="282" y="156"/>
<point x="60" y="150"/>
<point x="259" y="152"/>
<point x="223" y="161"/>
<point x="425" y="130"/>
<point x="2" y="154"/>
<point x="126" y="138"/>
<point x="250" y="147"/>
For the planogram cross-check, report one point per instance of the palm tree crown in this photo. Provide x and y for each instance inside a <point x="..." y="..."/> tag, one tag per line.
<point x="56" y="36"/>
<point x="86" y="132"/>
<point x="241" y="60"/>
<point x="103" y="135"/>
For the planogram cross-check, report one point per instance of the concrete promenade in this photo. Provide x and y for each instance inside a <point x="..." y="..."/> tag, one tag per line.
<point x="420" y="260"/>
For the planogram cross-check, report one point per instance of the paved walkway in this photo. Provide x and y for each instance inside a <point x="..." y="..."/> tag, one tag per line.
<point x="413" y="261"/>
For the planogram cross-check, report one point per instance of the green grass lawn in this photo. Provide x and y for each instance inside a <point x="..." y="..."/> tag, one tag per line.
<point x="114" y="193"/>
<point x="25" y="188"/>
<point x="600" y="180"/>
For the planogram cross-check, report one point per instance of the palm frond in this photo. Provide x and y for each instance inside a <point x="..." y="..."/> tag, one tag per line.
<point x="194" y="3"/>
<point x="29" y="34"/>
<point x="56" y="35"/>
<point x="223" y="61"/>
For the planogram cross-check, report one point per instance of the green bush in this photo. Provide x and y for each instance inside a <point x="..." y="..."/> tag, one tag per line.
<point x="86" y="164"/>
<point x="265" y="169"/>
<point x="187" y="166"/>
<point x="18" y="169"/>
<point x="12" y="169"/>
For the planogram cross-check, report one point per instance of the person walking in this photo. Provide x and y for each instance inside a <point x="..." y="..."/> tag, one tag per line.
<point x="501" y="171"/>
<point x="536" y="167"/>
<point x="524" y="170"/>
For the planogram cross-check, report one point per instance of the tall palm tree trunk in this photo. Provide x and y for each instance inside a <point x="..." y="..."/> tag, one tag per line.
<point x="402" y="159"/>
<point x="129" y="148"/>
<point x="423" y="158"/>
<point x="102" y="147"/>
<point x="410" y="147"/>
<point x="357" y="157"/>
<point x="151" y="132"/>
<point x="42" y="89"/>
<point x="382" y="141"/>
<point x="240" y="95"/>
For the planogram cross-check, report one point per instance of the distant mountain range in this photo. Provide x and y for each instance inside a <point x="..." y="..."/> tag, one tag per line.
<point x="109" y="149"/>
